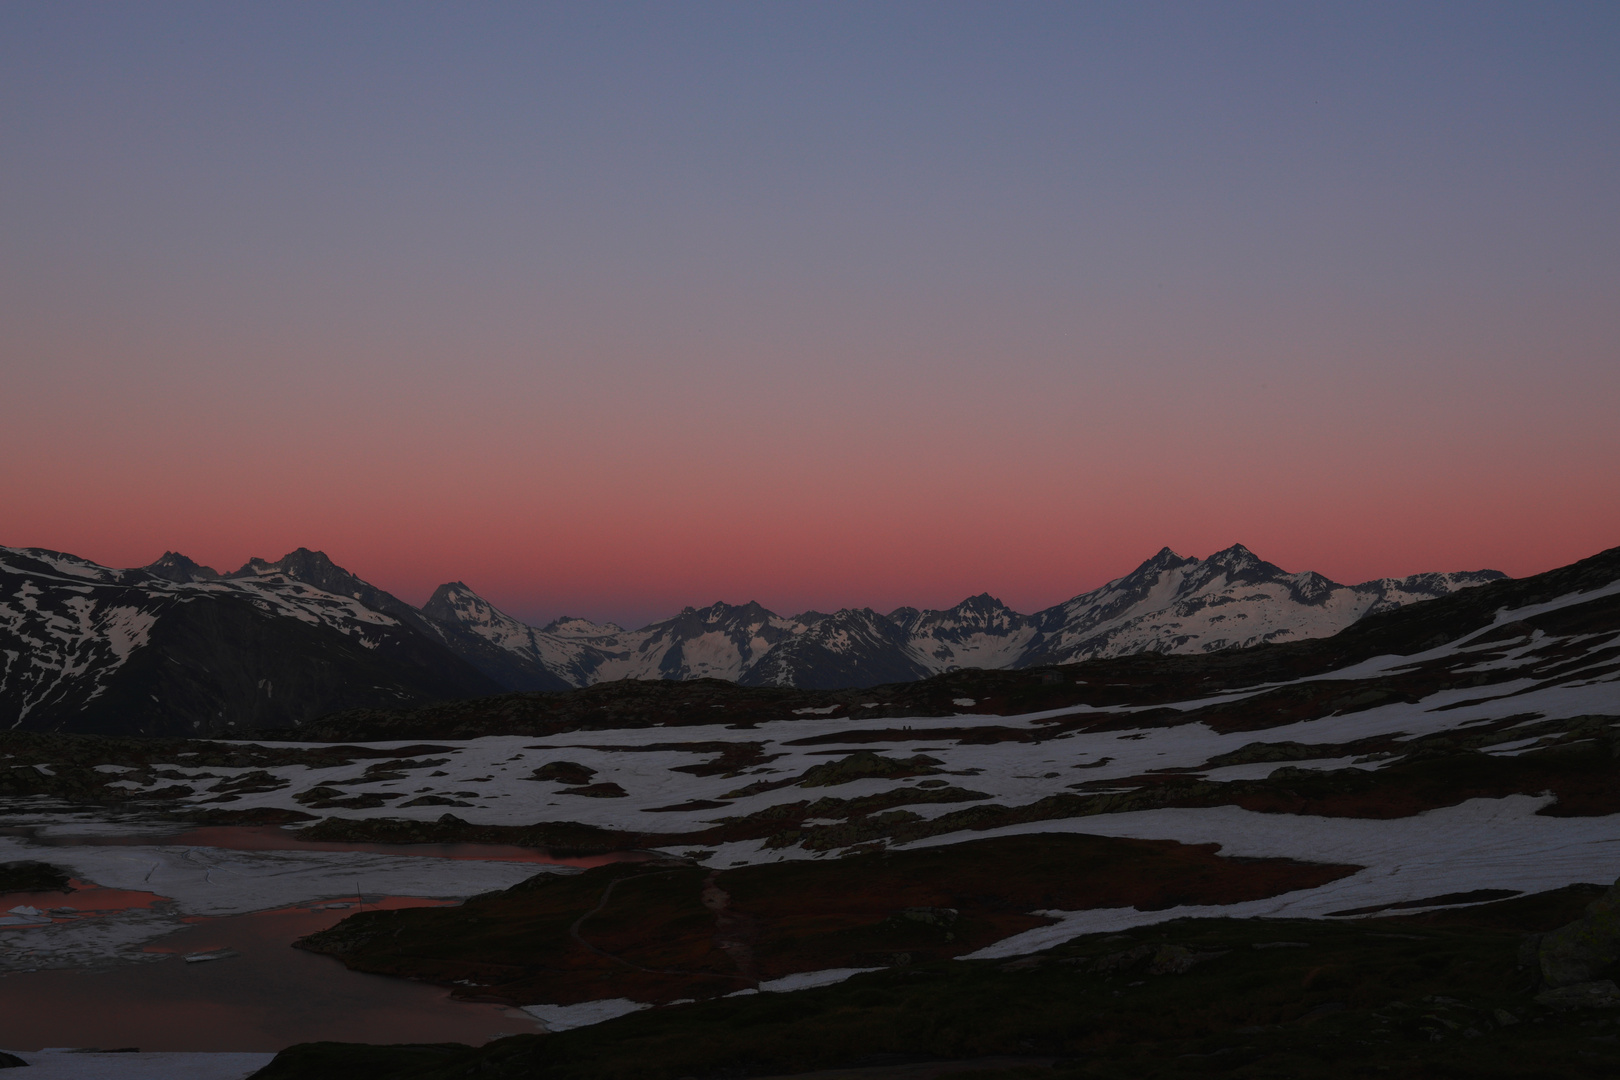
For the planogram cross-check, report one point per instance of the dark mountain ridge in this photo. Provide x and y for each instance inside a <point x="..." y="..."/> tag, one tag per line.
<point x="178" y="650"/>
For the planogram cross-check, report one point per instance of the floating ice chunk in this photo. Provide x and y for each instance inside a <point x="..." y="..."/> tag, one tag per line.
<point x="212" y="954"/>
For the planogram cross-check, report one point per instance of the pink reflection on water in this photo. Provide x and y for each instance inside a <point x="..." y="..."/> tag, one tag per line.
<point x="275" y="838"/>
<point x="265" y="997"/>
<point x="85" y="899"/>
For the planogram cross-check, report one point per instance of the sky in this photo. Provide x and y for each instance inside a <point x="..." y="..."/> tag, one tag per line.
<point x="607" y="309"/>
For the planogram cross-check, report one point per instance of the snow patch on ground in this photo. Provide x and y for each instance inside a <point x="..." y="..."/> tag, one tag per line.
<point x="1480" y="844"/>
<point x="806" y="980"/>
<point x="568" y="1017"/>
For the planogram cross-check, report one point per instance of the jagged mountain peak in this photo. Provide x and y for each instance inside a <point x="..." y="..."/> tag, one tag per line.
<point x="316" y="569"/>
<point x="1309" y="587"/>
<point x="860" y="614"/>
<point x="1231" y="599"/>
<point x="1236" y="555"/>
<point x="300" y="563"/>
<point x="173" y="566"/>
<point x="724" y="613"/>
<point x="455" y="602"/>
<point x="453" y="589"/>
<point x="973" y="608"/>
<point x="1239" y="564"/>
<point x="574" y="626"/>
<point x="982" y="612"/>
<point x="1152" y="569"/>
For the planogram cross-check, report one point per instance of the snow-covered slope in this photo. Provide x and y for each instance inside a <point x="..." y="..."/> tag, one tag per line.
<point x="720" y="641"/>
<point x="980" y="632"/>
<point x="851" y="647"/>
<point x="1171" y="604"/>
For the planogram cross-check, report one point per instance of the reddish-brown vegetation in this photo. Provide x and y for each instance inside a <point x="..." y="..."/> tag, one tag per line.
<point x="656" y="932"/>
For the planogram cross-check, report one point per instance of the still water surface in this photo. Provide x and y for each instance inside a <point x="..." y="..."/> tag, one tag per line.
<point x="266" y="996"/>
<point x="275" y="838"/>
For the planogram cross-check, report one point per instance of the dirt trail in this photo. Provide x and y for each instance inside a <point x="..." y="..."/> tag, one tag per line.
<point x="733" y="930"/>
<point x="607" y="894"/>
<point x="729" y="931"/>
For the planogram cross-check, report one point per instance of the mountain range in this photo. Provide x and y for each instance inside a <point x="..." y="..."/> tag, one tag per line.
<point x="179" y="648"/>
<point x="1169" y="604"/>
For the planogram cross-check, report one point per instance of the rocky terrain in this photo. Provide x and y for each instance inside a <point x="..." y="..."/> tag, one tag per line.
<point x="1450" y="993"/>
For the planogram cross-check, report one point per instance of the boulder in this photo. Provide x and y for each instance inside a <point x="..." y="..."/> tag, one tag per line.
<point x="1581" y="951"/>
<point x="1585" y="995"/>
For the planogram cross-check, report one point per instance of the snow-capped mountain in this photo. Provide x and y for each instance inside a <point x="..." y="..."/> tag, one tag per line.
<point x="1169" y="604"/>
<point x="1232" y="599"/>
<point x="851" y="647"/>
<point x="720" y="641"/>
<point x="176" y="647"/>
<point x="981" y="632"/>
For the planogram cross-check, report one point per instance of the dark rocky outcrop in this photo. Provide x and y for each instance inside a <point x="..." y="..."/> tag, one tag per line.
<point x="1586" y="948"/>
<point x="29" y="875"/>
